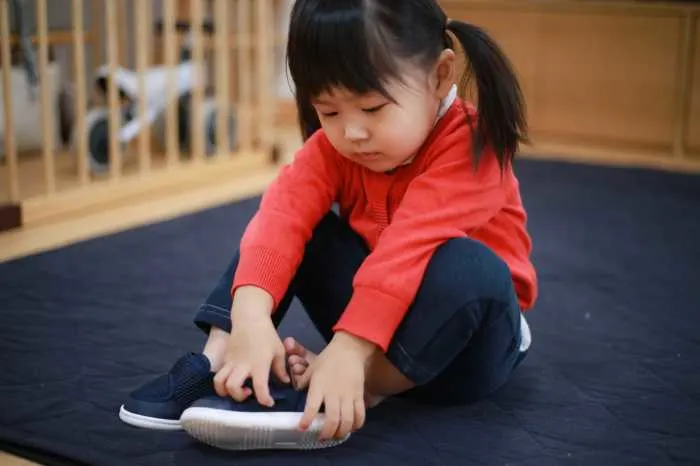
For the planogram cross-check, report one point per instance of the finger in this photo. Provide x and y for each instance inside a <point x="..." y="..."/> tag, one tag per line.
<point x="299" y="369"/>
<point x="220" y="380"/>
<point x="360" y="414"/>
<point x="261" y="386"/>
<point x="279" y="367"/>
<point x="332" y="411"/>
<point x="313" y="405"/>
<point x="347" y="418"/>
<point x="235" y="381"/>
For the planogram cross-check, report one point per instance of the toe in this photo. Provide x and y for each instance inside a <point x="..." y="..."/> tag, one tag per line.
<point x="293" y="347"/>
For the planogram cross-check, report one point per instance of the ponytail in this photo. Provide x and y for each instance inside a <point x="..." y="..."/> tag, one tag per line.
<point x="501" y="108"/>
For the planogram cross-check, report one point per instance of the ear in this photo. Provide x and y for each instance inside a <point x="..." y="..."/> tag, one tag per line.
<point x="444" y="73"/>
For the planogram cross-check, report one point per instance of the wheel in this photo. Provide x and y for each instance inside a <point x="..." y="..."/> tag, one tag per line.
<point x="97" y="133"/>
<point x="211" y="119"/>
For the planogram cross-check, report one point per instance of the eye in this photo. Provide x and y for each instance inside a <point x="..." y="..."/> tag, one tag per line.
<point x="374" y="109"/>
<point x="329" y="114"/>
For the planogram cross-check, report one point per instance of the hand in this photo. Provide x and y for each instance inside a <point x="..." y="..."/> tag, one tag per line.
<point x="253" y="347"/>
<point x="336" y="379"/>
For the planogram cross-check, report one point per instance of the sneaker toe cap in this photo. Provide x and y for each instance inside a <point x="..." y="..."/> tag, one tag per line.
<point x="169" y="410"/>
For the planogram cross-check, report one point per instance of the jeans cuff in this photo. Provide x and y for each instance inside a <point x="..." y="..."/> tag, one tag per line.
<point x="408" y="366"/>
<point x="210" y="316"/>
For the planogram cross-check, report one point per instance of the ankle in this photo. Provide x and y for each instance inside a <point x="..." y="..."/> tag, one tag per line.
<point x="215" y="348"/>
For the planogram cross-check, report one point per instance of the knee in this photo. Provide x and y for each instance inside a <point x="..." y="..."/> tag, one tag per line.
<point x="468" y="270"/>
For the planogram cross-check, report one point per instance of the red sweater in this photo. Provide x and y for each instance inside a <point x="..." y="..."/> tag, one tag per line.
<point x="403" y="217"/>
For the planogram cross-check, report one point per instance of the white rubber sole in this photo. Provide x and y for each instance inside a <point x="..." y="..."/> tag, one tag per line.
<point x="146" y="422"/>
<point x="253" y="431"/>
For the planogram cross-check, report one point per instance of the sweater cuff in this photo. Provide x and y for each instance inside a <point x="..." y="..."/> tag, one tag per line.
<point x="373" y="316"/>
<point x="264" y="268"/>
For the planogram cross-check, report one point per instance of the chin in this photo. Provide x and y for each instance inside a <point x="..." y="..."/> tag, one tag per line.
<point x="379" y="166"/>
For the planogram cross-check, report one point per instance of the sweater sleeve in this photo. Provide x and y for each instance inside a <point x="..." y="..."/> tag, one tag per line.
<point x="273" y="243"/>
<point x="446" y="201"/>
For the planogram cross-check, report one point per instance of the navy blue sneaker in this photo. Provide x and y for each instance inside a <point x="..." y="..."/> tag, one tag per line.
<point x="230" y="425"/>
<point x="159" y="403"/>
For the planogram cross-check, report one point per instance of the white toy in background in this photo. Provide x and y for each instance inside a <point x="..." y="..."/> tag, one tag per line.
<point x="127" y="83"/>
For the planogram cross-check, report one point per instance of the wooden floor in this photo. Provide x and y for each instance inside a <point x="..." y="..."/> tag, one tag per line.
<point x="9" y="460"/>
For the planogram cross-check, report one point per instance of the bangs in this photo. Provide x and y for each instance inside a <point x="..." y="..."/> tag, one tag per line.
<point x="331" y="46"/>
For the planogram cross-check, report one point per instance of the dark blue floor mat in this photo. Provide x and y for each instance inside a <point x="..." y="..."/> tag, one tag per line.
<point x="613" y="376"/>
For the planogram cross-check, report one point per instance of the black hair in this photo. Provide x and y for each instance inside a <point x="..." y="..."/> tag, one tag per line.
<point x="358" y="45"/>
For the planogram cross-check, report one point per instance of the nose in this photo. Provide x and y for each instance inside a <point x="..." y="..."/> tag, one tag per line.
<point x="355" y="132"/>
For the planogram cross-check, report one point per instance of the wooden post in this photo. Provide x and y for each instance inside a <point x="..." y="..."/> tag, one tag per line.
<point x="243" y="40"/>
<point x="80" y="89"/>
<point x="97" y="32"/>
<point x="113" y="101"/>
<point x="122" y="38"/>
<point x="223" y="99"/>
<point x="265" y="41"/>
<point x="197" y="128"/>
<point x="171" y="139"/>
<point x="142" y="17"/>
<point x="10" y="143"/>
<point x="48" y="124"/>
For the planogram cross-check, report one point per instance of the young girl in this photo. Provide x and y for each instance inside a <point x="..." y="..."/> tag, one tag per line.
<point x="418" y="286"/>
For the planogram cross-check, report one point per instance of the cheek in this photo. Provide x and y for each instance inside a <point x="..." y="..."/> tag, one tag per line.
<point x="405" y="131"/>
<point x="334" y="131"/>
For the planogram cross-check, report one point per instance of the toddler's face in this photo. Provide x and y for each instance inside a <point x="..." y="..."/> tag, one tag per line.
<point x="374" y="131"/>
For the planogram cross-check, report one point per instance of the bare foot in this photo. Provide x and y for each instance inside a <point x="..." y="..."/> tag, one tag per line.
<point x="299" y="359"/>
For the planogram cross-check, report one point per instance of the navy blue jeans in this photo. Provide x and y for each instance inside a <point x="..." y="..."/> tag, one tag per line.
<point x="458" y="342"/>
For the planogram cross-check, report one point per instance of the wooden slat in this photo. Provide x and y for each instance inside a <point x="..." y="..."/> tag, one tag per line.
<point x="197" y="129"/>
<point x="142" y="18"/>
<point x="115" y="155"/>
<point x="80" y="89"/>
<point x="171" y="139"/>
<point x="244" y="69"/>
<point x="10" y="142"/>
<point x="265" y="60"/>
<point x="223" y="98"/>
<point x="122" y="36"/>
<point x="48" y="122"/>
<point x="97" y="8"/>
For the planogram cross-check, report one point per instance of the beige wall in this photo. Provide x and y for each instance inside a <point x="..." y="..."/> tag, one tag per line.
<point x="601" y="75"/>
<point x="693" y="128"/>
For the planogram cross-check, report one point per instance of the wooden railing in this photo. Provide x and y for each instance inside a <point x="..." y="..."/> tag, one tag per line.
<point x="189" y="101"/>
